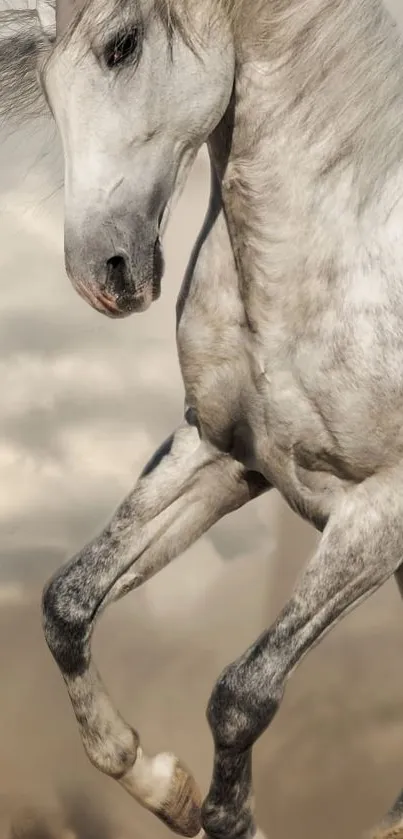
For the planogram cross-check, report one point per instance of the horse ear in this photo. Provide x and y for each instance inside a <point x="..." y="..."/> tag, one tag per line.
<point x="46" y="11"/>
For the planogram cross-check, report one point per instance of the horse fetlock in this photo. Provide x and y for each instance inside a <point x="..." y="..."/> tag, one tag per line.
<point x="113" y="756"/>
<point x="224" y="820"/>
<point x="165" y="786"/>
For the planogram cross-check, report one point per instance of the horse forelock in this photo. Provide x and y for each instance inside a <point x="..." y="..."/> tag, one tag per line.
<point x="176" y="15"/>
<point x="66" y="11"/>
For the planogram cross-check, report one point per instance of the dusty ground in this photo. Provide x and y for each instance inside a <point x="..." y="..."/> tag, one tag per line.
<point x="83" y="403"/>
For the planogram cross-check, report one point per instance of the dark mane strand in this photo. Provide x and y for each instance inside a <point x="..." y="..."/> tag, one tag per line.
<point x="21" y="44"/>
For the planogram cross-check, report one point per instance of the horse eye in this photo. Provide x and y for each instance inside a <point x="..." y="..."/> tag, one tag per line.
<point x="121" y="48"/>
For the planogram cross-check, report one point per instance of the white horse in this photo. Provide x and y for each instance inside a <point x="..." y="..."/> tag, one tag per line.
<point x="289" y="322"/>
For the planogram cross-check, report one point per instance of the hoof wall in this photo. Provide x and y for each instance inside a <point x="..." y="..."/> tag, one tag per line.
<point x="389" y="831"/>
<point x="181" y="810"/>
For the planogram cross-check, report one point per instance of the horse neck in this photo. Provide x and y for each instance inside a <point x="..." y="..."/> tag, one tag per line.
<point x="317" y="126"/>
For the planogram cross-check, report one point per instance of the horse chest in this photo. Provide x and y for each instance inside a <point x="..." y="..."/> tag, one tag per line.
<point x="252" y="408"/>
<point x="218" y="369"/>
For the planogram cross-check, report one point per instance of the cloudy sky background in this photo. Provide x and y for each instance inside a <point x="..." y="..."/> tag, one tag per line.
<point x="84" y="402"/>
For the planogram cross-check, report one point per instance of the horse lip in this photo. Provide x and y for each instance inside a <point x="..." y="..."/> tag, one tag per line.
<point x="105" y="303"/>
<point x="100" y="301"/>
<point x="136" y="302"/>
<point x="108" y="302"/>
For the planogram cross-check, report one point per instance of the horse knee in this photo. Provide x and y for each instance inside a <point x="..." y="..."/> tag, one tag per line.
<point x="65" y="624"/>
<point x="222" y="820"/>
<point x="240" y="707"/>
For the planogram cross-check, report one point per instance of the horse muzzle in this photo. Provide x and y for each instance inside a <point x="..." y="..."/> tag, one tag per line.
<point x="120" y="282"/>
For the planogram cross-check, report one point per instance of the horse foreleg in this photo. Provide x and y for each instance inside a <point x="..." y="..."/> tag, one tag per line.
<point x="184" y="490"/>
<point x="392" y="825"/>
<point x="361" y="547"/>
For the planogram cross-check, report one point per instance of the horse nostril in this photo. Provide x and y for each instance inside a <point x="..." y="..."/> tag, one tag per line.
<point x="117" y="275"/>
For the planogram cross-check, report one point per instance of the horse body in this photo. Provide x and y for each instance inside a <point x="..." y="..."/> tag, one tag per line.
<point x="289" y="327"/>
<point x="308" y="312"/>
<point x="294" y="409"/>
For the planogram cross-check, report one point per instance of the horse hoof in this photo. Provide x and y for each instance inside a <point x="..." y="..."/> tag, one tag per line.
<point x="182" y="806"/>
<point x="164" y="786"/>
<point x="389" y="831"/>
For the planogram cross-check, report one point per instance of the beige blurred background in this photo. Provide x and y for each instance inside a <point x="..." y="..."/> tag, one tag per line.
<point x="84" y="402"/>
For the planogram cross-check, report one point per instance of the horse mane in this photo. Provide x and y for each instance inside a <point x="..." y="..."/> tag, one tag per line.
<point x="21" y="43"/>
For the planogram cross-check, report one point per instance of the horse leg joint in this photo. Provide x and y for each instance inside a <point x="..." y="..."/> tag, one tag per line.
<point x="65" y="624"/>
<point x="241" y="707"/>
<point x="221" y="821"/>
<point x="239" y="710"/>
<point x="113" y="757"/>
